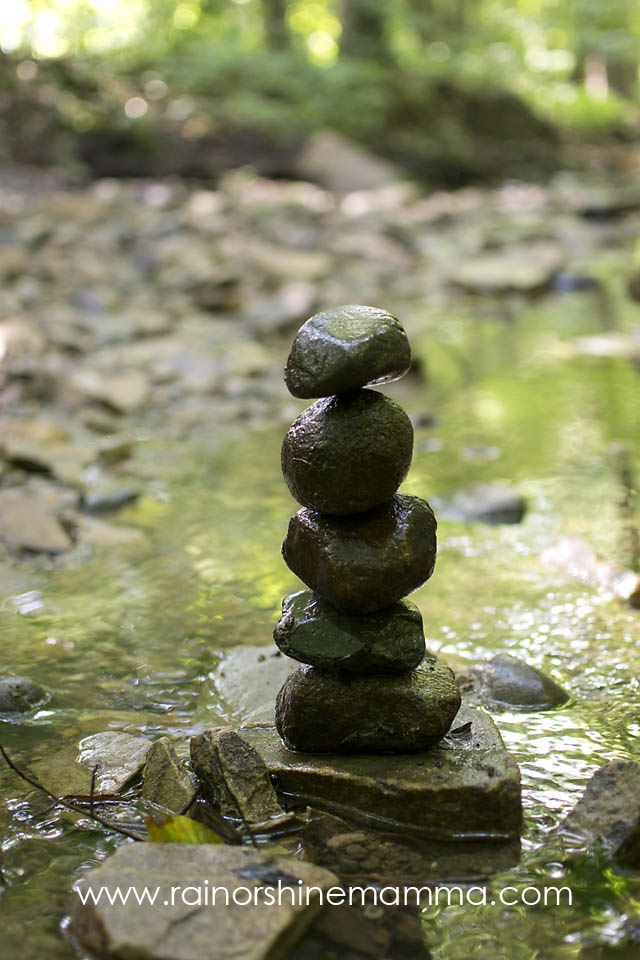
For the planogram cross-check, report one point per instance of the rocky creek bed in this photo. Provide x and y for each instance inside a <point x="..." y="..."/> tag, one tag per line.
<point x="144" y="330"/>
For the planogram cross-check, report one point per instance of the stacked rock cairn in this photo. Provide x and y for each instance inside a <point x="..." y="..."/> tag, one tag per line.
<point x="367" y="684"/>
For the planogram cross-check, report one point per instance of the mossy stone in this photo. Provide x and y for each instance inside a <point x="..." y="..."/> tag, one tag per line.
<point x="347" y="454"/>
<point x="367" y="561"/>
<point x="320" y="711"/>
<point x="386" y="642"/>
<point x="346" y="348"/>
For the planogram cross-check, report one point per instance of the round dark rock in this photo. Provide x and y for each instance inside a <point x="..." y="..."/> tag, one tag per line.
<point x="326" y="712"/>
<point x="346" y="348"/>
<point x="365" y="562"/>
<point x="20" y="694"/>
<point x="347" y="454"/>
<point x="314" y="632"/>
<point x="510" y="683"/>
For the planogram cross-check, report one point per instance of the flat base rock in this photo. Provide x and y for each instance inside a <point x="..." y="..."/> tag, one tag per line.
<point x="194" y="930"/>
<point x="465" y="788"/>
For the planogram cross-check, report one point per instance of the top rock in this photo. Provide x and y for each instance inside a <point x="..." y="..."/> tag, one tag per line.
<point x="344" y="349"/>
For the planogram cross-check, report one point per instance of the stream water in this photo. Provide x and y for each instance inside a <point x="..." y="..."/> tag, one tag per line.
<point x="128" y="639"/>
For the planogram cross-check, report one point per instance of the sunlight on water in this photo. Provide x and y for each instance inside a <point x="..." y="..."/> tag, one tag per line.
<point x="129" y="645"/>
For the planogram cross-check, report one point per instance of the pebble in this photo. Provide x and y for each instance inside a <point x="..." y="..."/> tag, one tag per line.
<point x="365" y="562"/>
<point x="312" y="631"/>
<point x="324" y="712"/>
<point x="347" y="454"/>
<point x="346" y="348"/>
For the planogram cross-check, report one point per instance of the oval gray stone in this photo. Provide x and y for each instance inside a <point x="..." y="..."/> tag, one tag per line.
<point x="325" y="712"/>
<point x="347" y="454"/>
<point x="506" y="681"/>
<point x="365" y="562"/>
<point x="346" y="348"/>
<point x="312" y="631"/>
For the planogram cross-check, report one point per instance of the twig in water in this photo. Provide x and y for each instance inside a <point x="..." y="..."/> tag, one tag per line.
<point x="60" y="801"/>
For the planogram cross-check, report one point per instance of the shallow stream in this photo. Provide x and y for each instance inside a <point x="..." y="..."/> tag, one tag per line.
<point x="128" y="639"/>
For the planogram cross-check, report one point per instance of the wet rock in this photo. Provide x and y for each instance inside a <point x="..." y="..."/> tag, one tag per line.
<point x="349" y="848"/>
<point x="353" y="931"/>
<point x="363" y="563"/>
<point x="119" y="758"/>
<point x="347" y="454"/>
<point x="121" y="392"/>
<point x="346" y="348"/>
<point x="485" y="503"/>
<point x="577" y="558"/>
<point x="233" y="775"/>
<point x="108" y="500"/>
<point x="467" y="786"/>
<point x="166" y="782"/>
<point x="312" y="631"/>
<point x="608" y="813"/>
<point x="322" y="712"/>
<point x="27" y="523"/>
<point x="525" y="269"/>
<point x="247" y="681"/>
<point x="508" y="682"/>
<point x="20" y="694"/>
<point x="190" y="928"/>
<point x="340" y="165"/>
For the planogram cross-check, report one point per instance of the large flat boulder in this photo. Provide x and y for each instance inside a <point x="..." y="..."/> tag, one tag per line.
<point x="182" y="924"/>
<point x="466" y="787"/>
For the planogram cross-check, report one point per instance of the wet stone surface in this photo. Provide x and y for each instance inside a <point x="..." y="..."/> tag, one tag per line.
<point x="508" y="682"/>
<point x="347" y="454"/>
<point x="188" y="930"/>
<point x="322" y="712"/>
<point x="20" y="694"/>
<point x="166" y="781"/>
<point x="467" y="786"/>
<point x="363" y="563"/>
<point x="119" y="758"/>
<point x="312" y="631"/>
<point x="608" y="813"/>
<point x="233" y="775"/>
<point x="346" y="348"/>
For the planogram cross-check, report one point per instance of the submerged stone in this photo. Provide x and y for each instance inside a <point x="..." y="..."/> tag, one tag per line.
<point x="365" y="562"/>
<point x="192" y="925"/>
<point x="347" y="454"/>
<point x="507" y="681"/>
<point x="465" y="787"/>
<point x="324" y="712"/>
<point x="346" y="348"/>
<point x="20" y="694"/>
<point x="492" y="503"/>
<point x="608" y="813"/>
<point x="233" y="775"/>
<point x="117" y="758"/>
<point x="388" y="641"/>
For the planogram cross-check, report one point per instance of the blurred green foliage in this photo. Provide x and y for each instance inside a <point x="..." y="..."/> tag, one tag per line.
<point x="382" y="71"/>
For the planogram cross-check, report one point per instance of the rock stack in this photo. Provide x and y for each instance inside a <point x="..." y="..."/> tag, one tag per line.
<point x="367" y="684"/>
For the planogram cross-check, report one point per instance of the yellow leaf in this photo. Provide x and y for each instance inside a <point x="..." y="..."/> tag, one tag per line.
<point x="180" y="830"/>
